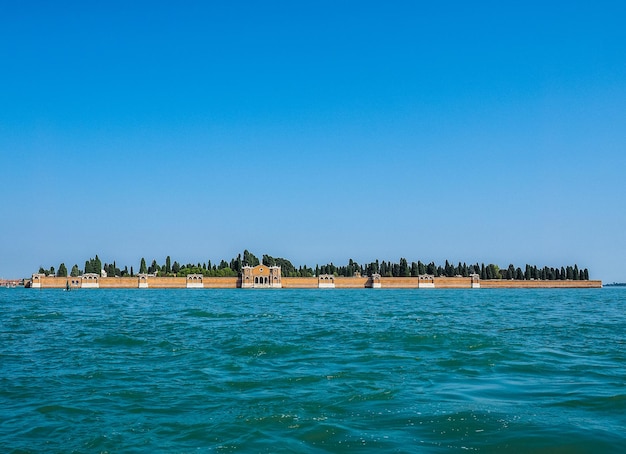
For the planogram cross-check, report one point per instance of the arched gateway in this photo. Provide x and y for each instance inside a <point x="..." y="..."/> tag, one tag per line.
<point x="261" y="276"/>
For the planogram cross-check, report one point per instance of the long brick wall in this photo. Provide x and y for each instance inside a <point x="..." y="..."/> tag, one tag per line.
<point x="311" y="282"/>
<point x="299" y="282"/>
<point x="351" y="282"/>
<point x="501" y="283"/>
<point x="222" y="282"/>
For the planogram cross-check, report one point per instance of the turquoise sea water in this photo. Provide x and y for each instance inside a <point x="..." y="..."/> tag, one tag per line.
<point x="313" y="370"/>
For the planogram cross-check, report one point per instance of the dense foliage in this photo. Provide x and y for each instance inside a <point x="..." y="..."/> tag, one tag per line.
<point x="385" y="268"/>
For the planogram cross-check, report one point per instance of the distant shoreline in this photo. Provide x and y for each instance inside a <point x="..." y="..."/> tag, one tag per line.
<point x="203" y="282"/>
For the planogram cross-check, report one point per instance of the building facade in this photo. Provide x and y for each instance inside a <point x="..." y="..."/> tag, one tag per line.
<point x="261" y="276"/>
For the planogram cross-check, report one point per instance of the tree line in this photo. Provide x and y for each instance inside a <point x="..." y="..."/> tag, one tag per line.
<point x="402" y="268"/>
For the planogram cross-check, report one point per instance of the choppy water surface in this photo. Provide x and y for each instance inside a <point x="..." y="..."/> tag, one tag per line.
<point x="313" y="371"/>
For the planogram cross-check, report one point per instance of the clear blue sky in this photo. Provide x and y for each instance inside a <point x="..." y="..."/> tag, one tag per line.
<point x="315" y="131"/>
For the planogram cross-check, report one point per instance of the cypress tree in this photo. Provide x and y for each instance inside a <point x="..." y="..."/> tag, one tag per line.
<point x="510" y="272"/>
<point x="404" y="268"/>
<point x="62" y="270"/>
<point x="142" y="267"/>
<point x="250" y="259"/>
<point x="239" y="263"/>
<point x="97" y="265"/>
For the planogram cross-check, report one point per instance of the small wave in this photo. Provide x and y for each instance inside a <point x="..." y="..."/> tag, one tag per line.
<point x="46" y="409"/>
<point x="120" y="340"/>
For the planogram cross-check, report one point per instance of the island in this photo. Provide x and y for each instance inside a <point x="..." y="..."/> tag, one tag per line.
<point x="246" y="271"/>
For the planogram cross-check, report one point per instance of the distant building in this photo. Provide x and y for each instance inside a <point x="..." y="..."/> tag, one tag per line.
<point x="261" y="276"/>
<point x="195" y="281"/>
<point x="142" y="279"/>
<point x="326" y="281"/>
<point x="90" y="280"/>
<point x="426" y="281"/>
<point x="36" y="280"/>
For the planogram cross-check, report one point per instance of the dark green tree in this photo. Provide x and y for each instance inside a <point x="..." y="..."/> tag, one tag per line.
<point x="268" y="260"/>
<point x="62" y="270"/>
<point x="403" y="268"/>
<point x="153" y="268"/>
<point x="75" y="271"/>
<point x="286" y="267"/>
<point x="250" y="259"/>
<point x="510" y="272"/>
<point x="142" y="267"/>
<point x="97" y="265"/>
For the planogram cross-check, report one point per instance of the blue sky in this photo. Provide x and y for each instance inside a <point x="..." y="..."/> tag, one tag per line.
<point x="317" y="131"/>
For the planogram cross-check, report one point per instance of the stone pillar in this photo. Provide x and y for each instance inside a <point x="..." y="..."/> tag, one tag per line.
<point x="247" y="281"/>
<point x="275" y="277"/>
